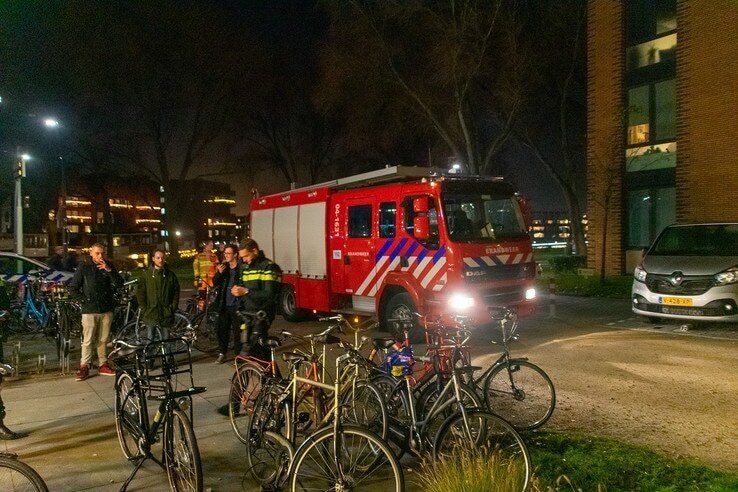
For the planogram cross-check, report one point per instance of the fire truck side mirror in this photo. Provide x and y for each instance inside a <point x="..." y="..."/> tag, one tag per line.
<point x="525" y="210"/>
<point x="421" y="227"/>
<point x="420" y="205"/>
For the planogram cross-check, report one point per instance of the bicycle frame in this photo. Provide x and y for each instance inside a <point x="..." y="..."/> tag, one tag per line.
<point x="40" y="312"/>
<point x="335" y="412"/>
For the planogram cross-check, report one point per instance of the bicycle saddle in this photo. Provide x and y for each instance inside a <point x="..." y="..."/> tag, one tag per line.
<point x="5" y="369"/>
<point x="383" y="343"/>
<point x="126" y="351"/>
<point x="273" y="342"/>
<point x="327" y="339"/>
<point x="294" y="357"/>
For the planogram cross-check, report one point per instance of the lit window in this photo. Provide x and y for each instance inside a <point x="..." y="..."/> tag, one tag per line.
<point x="638" y="115"/>
<point x="651" y="52"/>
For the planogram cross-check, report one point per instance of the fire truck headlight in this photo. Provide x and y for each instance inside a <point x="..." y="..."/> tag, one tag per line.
<point x="530" y="294"/>
<point x="459" y="301"/>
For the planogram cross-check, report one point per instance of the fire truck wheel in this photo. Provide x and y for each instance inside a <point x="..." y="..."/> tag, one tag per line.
<point x="287" y="305"/>
<point x="401" y="306"/>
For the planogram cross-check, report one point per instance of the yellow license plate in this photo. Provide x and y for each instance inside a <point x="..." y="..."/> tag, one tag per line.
<point x="676" y="301"/>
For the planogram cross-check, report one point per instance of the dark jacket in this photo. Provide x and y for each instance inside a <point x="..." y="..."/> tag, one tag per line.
<point x="158" y="296"/>
<point x="263" y="278"/>
<point x="95" y="287"/>
<point x="220" y="282"/>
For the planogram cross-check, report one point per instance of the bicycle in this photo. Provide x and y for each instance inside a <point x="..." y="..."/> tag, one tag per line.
<point x="145" y="372"/>
<point x="515" y="388"/>
<point x="442" y="418"/>
<point x="252" y="373"/>
<point x="16" y="476"/>
<point x="339" y="456"/>
<point x="205" y="320"/>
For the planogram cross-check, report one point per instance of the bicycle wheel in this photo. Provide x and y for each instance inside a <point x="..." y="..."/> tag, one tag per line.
<point x="366" y="463"/>
<point x="363" y="405"/>
<point x="180" y="325"/>
<point x="485" y="437"/>
<point x="133" y="332"/>
<point x="268" y="450"/>
<point x="181" y="454"/>
<point x="428" y="397"/>
<point x="206" y="339"/>
<point x="127" y="416"/>
<point x="521" y="393"/>
<point x="16" y="476"/>
<point x="245" y="388"/>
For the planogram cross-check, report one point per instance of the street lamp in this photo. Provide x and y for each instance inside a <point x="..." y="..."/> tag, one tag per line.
<point x="20" y="173"/>
<point x="51" y="123"/>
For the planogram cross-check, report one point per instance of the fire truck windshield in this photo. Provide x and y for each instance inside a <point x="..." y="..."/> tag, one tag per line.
<point x="473" y="216"/>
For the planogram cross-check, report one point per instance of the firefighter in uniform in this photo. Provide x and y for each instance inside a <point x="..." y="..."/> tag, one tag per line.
<point x="258" y="289"/>
<point x="204" y="267"/>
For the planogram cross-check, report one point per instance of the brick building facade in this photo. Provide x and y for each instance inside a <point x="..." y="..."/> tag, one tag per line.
<point x="662" y="121"/>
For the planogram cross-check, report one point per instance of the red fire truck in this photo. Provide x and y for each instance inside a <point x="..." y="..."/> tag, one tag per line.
<point x="396" y="241"/>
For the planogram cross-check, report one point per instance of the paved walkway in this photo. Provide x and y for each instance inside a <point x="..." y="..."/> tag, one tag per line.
<point x="73" y="444"/>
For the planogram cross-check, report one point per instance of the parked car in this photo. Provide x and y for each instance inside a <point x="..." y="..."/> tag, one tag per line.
<point x="16" y="268"/>
<point x="689" y="273"/>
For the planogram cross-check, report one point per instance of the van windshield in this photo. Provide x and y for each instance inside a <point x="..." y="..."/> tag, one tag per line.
<point x="480" y="217"/>
<point x="697" y="240"/>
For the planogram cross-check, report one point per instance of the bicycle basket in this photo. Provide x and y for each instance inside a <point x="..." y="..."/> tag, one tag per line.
<point x="167" y="366"/>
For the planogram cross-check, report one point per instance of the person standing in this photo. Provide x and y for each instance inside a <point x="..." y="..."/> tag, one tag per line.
<point x="95" y="281"/>
<point x="158" y="294"/>
<point x="258" y="289"/>
<point x="204" y="269"/>
<point x="226" y="304"/>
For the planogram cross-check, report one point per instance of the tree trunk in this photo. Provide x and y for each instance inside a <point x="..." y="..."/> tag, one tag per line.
<point x="172" y="218"/>
<point x="575" y="216"/>
<point x="108" y="220"/>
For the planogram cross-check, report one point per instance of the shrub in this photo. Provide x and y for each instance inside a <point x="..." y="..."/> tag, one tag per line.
<point x="567" y="263"/>
<point x="465" y="471"/>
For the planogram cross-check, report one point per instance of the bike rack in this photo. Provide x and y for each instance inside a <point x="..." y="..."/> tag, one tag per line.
<point x="64" y="356"/>
<point x="16" y="358"/>
<point x="41" y="366"/>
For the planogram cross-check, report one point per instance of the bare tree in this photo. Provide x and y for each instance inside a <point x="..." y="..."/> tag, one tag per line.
<point x="158" y="102"/>
<point x="551" y="128"/>
<point x="442" y="68"/>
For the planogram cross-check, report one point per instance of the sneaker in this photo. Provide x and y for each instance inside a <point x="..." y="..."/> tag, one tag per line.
<point x="106" y="370"/>
<point x="83" y="373"/>
<point x="221" y="359"/>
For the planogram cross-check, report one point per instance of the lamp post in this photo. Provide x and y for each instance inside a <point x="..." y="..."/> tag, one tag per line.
<point x="20" y="173"/>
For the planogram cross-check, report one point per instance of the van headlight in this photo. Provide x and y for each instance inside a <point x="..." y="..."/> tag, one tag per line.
<point x="729" y="276"/>
<point x="640" y="274"/>
<point x="460" y="301"/>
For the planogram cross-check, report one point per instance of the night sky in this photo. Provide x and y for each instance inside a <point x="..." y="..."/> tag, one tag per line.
<point x="290" y="31"/>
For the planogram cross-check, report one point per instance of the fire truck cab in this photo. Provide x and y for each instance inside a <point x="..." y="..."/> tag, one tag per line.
<point x="397" y="241"/>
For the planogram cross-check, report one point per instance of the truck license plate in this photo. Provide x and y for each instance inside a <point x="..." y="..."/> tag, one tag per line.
<point x="676" y="301"/>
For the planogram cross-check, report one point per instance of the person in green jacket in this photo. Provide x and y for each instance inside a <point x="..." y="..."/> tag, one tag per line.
<point x="158" y="294"/>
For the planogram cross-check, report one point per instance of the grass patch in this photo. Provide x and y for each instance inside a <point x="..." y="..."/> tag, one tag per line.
<point x="571" y="284"/>
<point x="469" y="471"/>
<point x="591" y="462"/>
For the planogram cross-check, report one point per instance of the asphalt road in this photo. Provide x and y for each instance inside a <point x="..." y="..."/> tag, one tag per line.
<point x="673" y="391"/>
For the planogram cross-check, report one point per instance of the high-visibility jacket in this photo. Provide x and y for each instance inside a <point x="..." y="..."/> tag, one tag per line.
<point x="204" y="267"/>
<point x="263" y="278"/>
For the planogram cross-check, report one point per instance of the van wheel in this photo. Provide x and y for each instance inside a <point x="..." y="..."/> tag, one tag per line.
<point x="401" y="306"/>
<point x="288" y="305"/>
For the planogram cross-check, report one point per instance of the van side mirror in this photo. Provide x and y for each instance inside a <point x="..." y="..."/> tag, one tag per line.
<point x="421" y="227"/>
<point x="420" y="205"/>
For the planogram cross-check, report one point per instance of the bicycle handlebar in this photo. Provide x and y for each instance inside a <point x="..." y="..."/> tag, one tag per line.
<point x="258" y="315"/>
